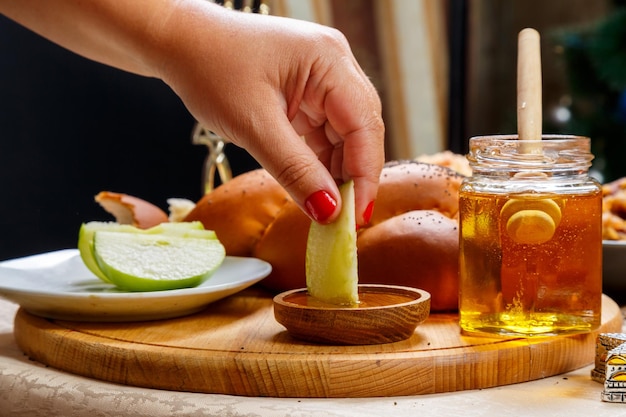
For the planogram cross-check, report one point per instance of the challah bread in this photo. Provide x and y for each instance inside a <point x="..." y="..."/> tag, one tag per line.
<point x="412" y="238"/>
<point x="241" y="210"/>
<point x="418" y="248"/>
<point x="284" y="246"/>
<point x="411" y="185"/>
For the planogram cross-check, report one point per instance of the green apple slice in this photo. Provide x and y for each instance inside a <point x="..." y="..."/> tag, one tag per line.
<point x="88" y="230"/>
<point x="182" y="229"/>
<point x="85" y="242"/>
<point x="155" y="262"/>
<point x="331" y="255"/>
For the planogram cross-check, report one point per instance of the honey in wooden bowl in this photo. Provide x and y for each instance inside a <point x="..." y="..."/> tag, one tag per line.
<point x="385" y="314"/>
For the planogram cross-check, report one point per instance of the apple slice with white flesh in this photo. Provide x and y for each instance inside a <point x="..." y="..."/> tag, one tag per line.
<point x="155" y="262"/>
<point x="331" y="256"/>
<point x="85" y="242"/>
<point x="89" y="229"/>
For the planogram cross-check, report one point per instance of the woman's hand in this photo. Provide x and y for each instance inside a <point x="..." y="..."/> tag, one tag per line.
<point x="262" y="82"/>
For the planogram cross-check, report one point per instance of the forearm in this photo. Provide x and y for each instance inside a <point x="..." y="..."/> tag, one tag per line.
<point x="126" y="34"/>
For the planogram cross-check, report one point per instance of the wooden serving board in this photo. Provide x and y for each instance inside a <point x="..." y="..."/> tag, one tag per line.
<point x="236" y="347"/>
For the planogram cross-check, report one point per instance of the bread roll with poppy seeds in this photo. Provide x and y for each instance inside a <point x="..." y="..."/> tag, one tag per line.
<point x="418" y="248"/>
<point x="412" y="238"/>
<point x="241" y="210"/>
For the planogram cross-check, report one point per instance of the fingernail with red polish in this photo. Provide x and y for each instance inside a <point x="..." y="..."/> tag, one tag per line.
<point x="369" y="210"/>
<point x="320" y="205"/>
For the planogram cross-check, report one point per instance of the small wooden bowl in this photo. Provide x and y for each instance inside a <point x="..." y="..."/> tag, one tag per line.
<point x="385" y="314"/>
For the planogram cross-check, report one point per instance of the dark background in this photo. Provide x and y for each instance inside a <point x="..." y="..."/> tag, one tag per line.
<point x="70" y="128"/>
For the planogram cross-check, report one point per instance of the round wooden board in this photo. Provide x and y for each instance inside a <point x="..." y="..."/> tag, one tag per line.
<point x="236" y="347"/>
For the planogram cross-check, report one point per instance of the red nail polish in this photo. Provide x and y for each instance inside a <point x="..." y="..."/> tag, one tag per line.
<point x="369" y="210"/>
<point x="320" y="205"/>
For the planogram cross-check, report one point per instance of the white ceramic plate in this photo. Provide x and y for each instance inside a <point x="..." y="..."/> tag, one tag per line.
<point x="57" y="285"/>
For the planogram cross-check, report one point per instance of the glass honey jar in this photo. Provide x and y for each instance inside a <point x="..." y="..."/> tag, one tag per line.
<point x="530" y="238"/>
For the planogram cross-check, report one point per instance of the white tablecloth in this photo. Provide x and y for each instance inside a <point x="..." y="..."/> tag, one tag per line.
<point x="28" y="388"/>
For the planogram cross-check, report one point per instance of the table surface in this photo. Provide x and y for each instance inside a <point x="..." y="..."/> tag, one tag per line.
<point x="28" y="388"/>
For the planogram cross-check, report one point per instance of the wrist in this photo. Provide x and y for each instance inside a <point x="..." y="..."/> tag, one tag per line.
<point x="175" y="32"/>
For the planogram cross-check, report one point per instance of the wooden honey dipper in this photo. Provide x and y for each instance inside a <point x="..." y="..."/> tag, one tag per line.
<point x="530" y="221"/>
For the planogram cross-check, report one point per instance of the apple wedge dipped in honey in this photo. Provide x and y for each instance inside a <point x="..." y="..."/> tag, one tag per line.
<point x="331" y="256"/>
<point x="334" y="308"/>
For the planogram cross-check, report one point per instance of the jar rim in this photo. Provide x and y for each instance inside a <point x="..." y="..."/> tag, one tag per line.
<point x="554" y="153"/>
<point x="550" y="137"/>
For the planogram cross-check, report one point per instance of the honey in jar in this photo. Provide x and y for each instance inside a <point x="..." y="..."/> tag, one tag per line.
<point x="530" y="238"/>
